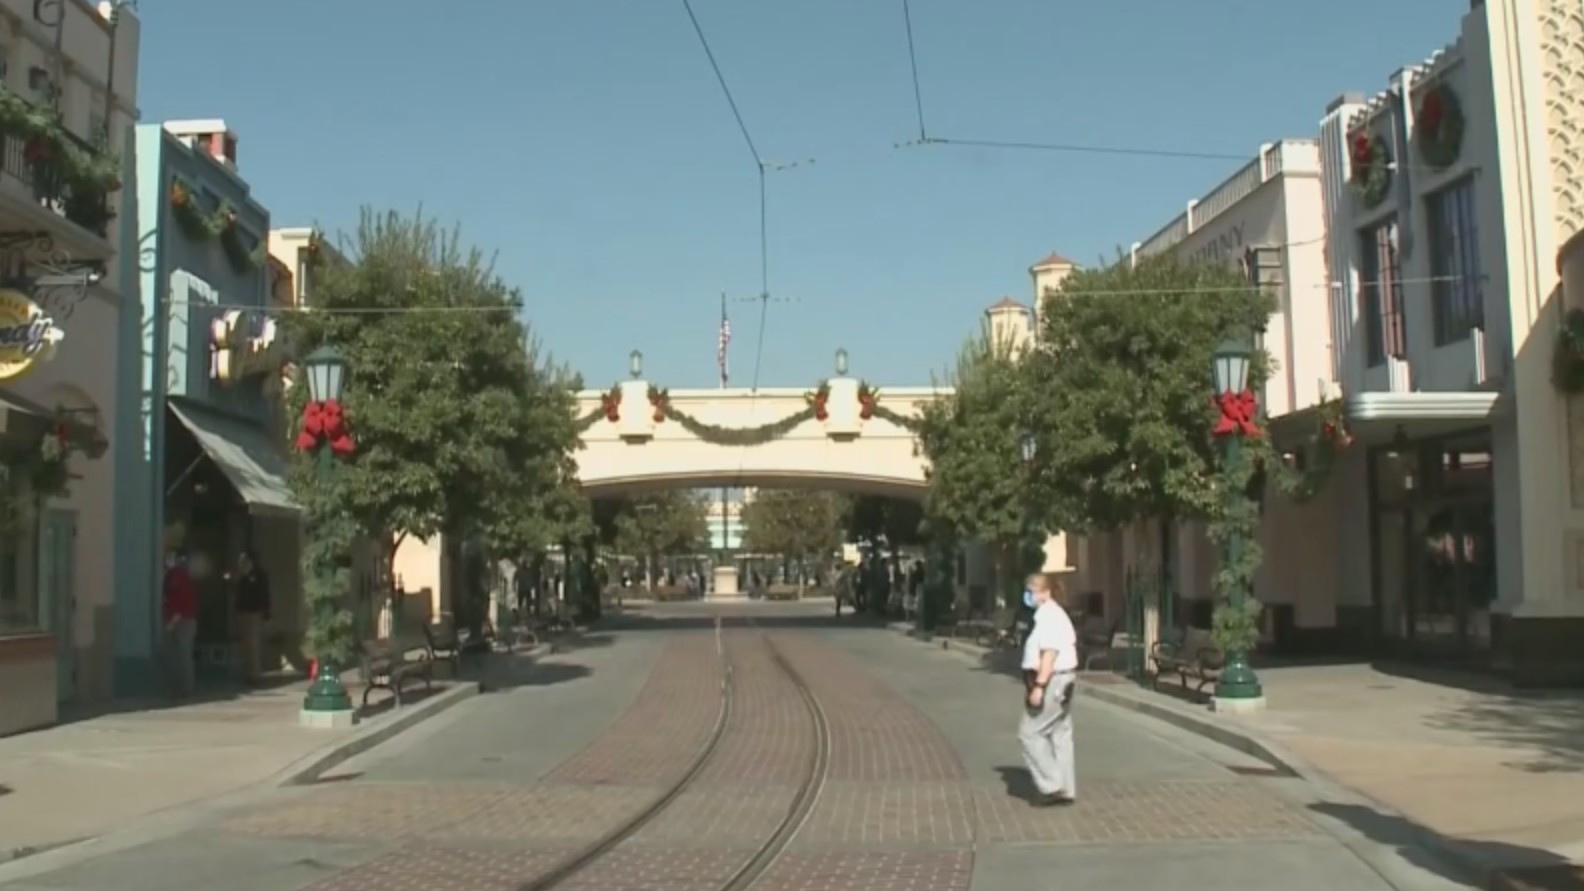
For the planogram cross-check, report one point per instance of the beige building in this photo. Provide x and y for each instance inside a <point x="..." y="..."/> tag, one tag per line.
<point x="1436" y="219"/>
<point x="64" y="249"/>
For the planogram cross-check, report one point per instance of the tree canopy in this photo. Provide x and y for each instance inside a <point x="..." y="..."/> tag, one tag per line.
<point x="1120" y="388"/>
<point x="653" y="525"/>
<point x="462" y="427"/>
<point x="897" y="522"/>
<point x="978" y="484"/>
<point x="798" y="523"/>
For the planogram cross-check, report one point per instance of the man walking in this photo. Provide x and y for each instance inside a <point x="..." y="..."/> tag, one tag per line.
<point x="1050" y="666"/>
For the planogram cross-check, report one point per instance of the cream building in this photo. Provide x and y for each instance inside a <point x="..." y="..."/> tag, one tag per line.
<point x="1418" y="250"/>
<point x="67" y="251"/>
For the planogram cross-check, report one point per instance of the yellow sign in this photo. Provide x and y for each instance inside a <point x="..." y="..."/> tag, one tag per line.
<point x="27" y="335"/>
<point x="237" y="351"/>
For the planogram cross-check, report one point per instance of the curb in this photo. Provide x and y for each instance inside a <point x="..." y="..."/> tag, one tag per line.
<point x="1286" y="763"/>
<point x="315" y="764"/>
<point x="178" y="818"/>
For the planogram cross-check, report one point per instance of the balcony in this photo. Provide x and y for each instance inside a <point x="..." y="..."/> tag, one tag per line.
<point x="53" y="183"/>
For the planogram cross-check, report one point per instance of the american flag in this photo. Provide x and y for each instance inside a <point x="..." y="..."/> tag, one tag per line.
<point x="723" y="343"/>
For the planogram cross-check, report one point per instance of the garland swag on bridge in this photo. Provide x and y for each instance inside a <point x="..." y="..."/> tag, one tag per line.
<point x="815" y="409"/>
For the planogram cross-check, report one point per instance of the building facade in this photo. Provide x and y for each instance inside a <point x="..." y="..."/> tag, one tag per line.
<point x="1450" y="195"/>
<point x="205" y="371"/>
<point x="68" y="96"/>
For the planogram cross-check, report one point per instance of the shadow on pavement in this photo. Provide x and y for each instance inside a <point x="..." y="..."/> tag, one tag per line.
<point x="382" y="701"/>
<point x="702" y="618"/>
<point x="1019" y="784"/>
<point x="1514" y="867"/>
<point x="207" y="692"/>
<point x="500" y="672"/>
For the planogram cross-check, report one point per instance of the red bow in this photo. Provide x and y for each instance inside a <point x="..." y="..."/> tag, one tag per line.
<point x="1237" y="414"/>
<point x="325" y="422"/>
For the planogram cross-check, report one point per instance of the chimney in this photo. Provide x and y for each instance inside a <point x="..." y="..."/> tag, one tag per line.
<point x="210" y="136"/>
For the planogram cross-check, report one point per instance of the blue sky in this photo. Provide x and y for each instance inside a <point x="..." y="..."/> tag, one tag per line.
<point x="587" y="142"/>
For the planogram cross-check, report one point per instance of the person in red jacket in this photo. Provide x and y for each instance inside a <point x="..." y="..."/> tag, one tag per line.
<point x="181" y="623"/>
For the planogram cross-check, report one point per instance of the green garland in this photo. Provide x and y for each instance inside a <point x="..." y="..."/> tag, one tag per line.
<point x="1234" y="629"/>
<point x="737" y="436"/>
<point x="329" y="537"/>
<point x="1438" y="127"/>
<point x="1372" y="174"/>
<point x="1311" y="466"/>
<point x="1567" y="356"/>
<point x="583" y="423"/>
<point x="41" y="465"/>
<point x="221" y="224"/>
<point x="88" y="175"/>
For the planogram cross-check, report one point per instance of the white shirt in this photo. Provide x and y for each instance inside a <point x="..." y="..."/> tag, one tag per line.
<point x="1053" y="630"/>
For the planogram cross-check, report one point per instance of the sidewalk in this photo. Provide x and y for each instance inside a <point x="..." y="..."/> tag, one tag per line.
<point x="1496" y="775"/>
<point x="86" y="777"/>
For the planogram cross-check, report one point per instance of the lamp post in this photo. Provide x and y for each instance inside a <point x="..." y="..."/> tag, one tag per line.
<point x="1237" y="410"/>
<point x="841" y="362"/>
<point x="326" y="371"/>
<point x="635" y="364"/>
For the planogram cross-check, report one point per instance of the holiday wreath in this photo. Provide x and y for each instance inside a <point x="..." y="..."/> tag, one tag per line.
<point x="1371" y="162"/>
<point x="1438" y="127"/>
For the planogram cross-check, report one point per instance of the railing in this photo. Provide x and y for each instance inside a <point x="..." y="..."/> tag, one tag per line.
<point x="43" y="181"/>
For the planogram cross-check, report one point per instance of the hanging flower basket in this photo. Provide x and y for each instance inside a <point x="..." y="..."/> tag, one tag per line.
<point x="1438" y="127"/>
<point x="1567" y="357"/>
<point x="1371" y="162"/>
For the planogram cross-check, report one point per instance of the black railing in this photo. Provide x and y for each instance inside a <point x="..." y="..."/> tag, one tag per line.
<point x="90" y="210"/>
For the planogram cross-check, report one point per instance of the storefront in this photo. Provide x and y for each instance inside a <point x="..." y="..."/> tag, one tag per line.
<point x="225" y="480"/>
<point x="43" y="449"/>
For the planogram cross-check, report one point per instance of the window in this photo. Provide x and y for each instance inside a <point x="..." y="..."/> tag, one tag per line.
<point x="19" y="601"/>
<point x="1457" y="300"/>
<point x="1380" y="284"/>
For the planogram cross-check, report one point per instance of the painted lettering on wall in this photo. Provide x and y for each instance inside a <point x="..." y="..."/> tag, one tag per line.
<point x="240" y="348"/>
<point x="27" y="336"/>
<point x="1224" y="248"/>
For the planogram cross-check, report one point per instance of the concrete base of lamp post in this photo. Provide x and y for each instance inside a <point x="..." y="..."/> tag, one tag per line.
<point x="336" y="720"/>
<point x="725" y="587"/>
<point x="1239" y="706"/>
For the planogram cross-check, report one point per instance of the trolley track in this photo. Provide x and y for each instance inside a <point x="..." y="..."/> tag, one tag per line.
<point x="769" y="851"/>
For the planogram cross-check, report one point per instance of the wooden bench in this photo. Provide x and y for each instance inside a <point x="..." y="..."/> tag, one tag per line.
<point x="386" y="667"/>
<point x="442" y="643"/>
<point x="1194" y="659"/>
<point x="1097" y="640"/>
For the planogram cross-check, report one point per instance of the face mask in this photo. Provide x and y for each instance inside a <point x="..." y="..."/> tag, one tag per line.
<point x="1028" y="599"/>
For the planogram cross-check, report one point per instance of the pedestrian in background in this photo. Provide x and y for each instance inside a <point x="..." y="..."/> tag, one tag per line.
<point x="180" y="609"/>
<point x="253" y="610"/>
<point x="1050" y="669"/>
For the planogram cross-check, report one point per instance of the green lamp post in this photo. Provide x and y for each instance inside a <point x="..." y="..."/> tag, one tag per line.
<point x="326" y="371"/>
<point x="1233" y="357"/>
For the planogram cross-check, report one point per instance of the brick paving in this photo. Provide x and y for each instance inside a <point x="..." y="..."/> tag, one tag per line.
<point x="897" y="811"/>
<point x="1141" y="812"/>
<point x="657" y="739"/>
<point x="431" y="868"/>
<point x="870" y="871"/>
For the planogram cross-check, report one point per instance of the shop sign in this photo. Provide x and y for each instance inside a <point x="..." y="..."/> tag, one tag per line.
<point x="27" y="336"/>
<point x="240" y="349"/>
<point x="1222" y="249"/>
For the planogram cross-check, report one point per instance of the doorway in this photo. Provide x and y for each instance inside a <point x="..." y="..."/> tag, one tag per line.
<point x="57" y="563"/>
<point x="1436" y="550"/>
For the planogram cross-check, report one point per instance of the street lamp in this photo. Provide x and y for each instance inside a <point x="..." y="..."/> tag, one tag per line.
<point x="841" y="362"/>
<point x="1237" y="408"/>
<point x="1029" y="447"/>
<point x="326" y="371"/>
<point x="635" y="364"/>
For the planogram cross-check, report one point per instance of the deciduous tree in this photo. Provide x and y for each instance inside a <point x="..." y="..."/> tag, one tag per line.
<point x="654" y="525"/>
<point x="977" y="482"/>
<point x="1121" y="390"/>
<point x="796" y="523"/>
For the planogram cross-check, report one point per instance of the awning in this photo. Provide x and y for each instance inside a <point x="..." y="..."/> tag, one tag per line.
<point x="12" y="406"/>
<point x="1378" y="417"/>
<point x="245" y="455"/>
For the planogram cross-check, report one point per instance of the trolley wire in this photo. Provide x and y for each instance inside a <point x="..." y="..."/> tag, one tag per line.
<point x="918" y="94"/>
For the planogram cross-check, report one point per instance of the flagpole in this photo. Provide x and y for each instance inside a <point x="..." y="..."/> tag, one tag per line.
<point x="725" y="507"/>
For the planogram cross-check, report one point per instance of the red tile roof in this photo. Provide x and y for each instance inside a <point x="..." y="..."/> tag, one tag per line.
<point x="1054" y="259"/>
<point x="1008" y="303"/>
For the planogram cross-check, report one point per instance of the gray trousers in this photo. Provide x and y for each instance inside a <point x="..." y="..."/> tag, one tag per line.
<point x="1047" y="738"/>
